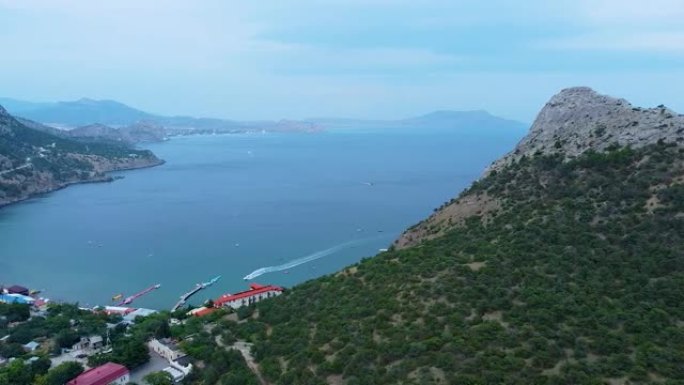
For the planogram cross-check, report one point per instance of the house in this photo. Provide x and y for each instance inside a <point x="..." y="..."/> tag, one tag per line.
<point x="31" y="346"/>
<point x="255" y="294"/>
<point x="179" y="368"/>
<point x="3" y="360"/>
<point x="88" y="343"/>
<point x="16" y="289"/>
<point x="107" y="374"/>
<point x="166" y="348"/>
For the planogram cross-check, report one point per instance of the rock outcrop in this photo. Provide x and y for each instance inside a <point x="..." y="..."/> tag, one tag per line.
<point x="574" y="121"/>
<point x="580" y="119"/>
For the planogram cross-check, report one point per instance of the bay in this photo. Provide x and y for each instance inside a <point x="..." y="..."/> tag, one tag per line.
<point x="232" y="204"/>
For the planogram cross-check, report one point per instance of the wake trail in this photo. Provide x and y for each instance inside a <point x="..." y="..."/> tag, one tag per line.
<point x="308" y="258"/>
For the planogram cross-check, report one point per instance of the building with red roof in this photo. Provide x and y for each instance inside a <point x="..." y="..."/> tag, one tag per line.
<point x="255" y="294"/>
<point x="202" y="311"/>
<point x="107" y="374"/>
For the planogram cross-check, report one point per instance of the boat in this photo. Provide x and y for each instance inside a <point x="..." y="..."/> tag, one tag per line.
<point x="117" y="297"/>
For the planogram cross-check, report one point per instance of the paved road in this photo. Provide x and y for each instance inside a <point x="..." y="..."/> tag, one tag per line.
<point x="155" y="364"/>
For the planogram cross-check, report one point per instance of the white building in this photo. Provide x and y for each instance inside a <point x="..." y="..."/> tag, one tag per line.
<point x="255" y="294"/>
<point x="166" y="348"/>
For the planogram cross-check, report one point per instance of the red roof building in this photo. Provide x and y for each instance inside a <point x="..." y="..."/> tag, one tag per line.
<point x="107" y="374"/>
<point x="202" y="311"/>
<point x="245" y="298"/>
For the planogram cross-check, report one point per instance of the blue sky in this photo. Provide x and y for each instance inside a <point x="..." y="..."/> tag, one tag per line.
<point x="340" y="58"/>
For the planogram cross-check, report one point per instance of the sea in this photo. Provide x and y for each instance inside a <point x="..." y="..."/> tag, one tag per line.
<point x="276" y="208"/>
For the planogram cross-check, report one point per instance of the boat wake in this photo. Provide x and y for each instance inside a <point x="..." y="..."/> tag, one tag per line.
<point x="308" y="258"/>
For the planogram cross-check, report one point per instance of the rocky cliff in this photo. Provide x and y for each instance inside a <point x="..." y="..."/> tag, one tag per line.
<point x="579" y="119"/>
<point x="574" y="121"/>
<point x="34" y="161"/>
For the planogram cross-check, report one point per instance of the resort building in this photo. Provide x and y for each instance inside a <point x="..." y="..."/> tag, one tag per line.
<point x="166" y="348"/>
<point x="107" y="374"/>
<point x="179" y="363"/>
<point x="255" y="294"/>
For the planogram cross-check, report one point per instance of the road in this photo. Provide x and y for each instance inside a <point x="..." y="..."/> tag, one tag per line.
<point x="26" y="165"/>
<point x="156" y="364"/>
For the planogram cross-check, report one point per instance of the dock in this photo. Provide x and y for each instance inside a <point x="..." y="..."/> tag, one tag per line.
<point x="199" y="287"/>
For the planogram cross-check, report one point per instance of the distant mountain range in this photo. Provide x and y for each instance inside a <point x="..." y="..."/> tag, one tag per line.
<point x="85" y="112"/>
<point x="116" y="121"/>
<point x="467" y="121"/>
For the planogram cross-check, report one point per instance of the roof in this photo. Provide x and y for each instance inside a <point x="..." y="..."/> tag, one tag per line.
<point x="16" y="298"/>
<point x="17" y="289"/>
<point x="255" y="289"/>
<point x="169" y="343"/>
<point x="33" y="345"/>
<point x="183" y="361"/>
<point x="130" y="317"/>
<point x="101" y="375"/>
<point x="94" y="339"/>
<point x="201" y="312"/>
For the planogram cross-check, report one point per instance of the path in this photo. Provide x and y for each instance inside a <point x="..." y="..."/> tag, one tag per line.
<point x="16" y="168"/>
<point x="245" y="348"/>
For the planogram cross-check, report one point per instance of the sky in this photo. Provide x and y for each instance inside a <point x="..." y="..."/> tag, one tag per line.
<point x="271" y="59"/>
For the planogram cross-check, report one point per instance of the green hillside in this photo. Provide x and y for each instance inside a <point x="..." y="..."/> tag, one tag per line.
<point x="34" y="161"/>
<point x="577" y="279"/>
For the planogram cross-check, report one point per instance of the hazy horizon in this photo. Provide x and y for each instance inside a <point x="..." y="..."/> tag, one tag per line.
<point x="373" y="59"/>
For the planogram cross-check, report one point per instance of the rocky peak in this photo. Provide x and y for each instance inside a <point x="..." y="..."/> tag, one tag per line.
<point x="579" y="119"/>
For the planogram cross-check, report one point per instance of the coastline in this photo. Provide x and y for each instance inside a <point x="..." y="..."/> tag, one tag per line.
<point x="104" y="178"/>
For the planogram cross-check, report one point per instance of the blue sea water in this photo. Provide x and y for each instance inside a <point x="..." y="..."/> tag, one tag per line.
<point x="233" y="204"/>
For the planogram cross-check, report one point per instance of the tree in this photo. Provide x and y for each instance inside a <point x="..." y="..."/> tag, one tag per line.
<point x="63" y="373"/>
<point x="158" y="378"/>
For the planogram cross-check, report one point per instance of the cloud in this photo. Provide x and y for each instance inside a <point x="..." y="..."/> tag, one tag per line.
<point x="627" y="41"/>
<point x="633" y="13"/>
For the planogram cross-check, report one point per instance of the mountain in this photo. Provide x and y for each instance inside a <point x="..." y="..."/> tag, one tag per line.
<point x="89" y="112"/>
<point x="35" y="160"/>
<point x="77" y="113"/>
<point x="479" y="122"/>
<point x="131" y="134"/>
<point x="562" y="266"/>
<point x="579" y="119"/>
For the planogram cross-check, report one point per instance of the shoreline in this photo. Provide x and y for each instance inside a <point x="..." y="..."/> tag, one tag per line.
<point x="105" y="178"/>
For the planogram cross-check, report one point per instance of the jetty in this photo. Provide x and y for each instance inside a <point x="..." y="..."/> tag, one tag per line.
<point x="135" y="296"/>
<point x="198" y="287"/>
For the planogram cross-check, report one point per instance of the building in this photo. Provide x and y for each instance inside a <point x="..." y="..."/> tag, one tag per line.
<point x="16" y="289"/>
<point x="202" y="311"/>
<point x="88" y="343"/>
<point x="255" y="294"/>
<point x="3" y="360"/>
<point x="166" y="348"/>
<point x="16" y="298"/>
<point x="180" y="365"/>
<point x="129" y="318"/>
<point x="107" y="374"/>
<point x="31" y="346"/>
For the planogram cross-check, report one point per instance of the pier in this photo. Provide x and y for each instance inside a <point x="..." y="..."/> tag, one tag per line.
<point x="199" y="287"/>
